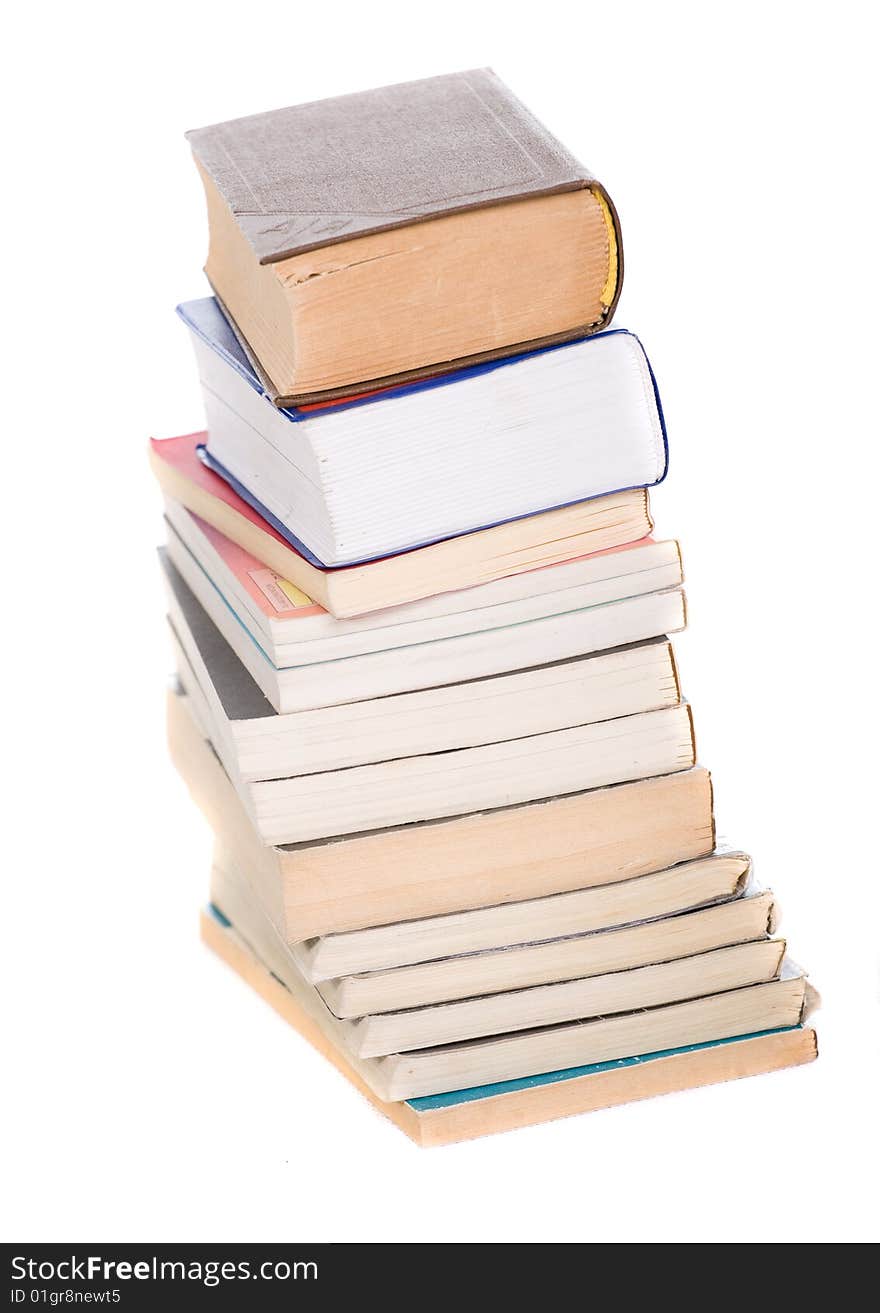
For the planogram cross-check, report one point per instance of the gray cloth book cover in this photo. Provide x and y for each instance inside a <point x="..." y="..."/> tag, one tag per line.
<point x="311" y="175"/>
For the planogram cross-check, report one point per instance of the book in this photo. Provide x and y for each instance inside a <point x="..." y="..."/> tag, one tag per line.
<point x="365" y="238"/>
<point x="292" y="630"/>
<point x="740" y="920"/>
<point x="305" y="807"/>
<point x="494" y="857"/>
<point x="425" y="695"/>
<point x="264" y="745"/>
<point x="468" y="1113"/>
<point x="578" y="919"/>
<point x="475" y="558"/>
<point x="365" y="478"/>
<point x="485" y="650"/>
<point x="520" y="1009"/>
<point x="781" y="1002"/>
<point x="503" y="1012"/>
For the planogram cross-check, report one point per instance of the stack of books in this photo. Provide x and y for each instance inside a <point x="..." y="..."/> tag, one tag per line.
<point x="425" y="691"/>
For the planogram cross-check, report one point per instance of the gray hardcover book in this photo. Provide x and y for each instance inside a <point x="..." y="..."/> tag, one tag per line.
<point x="319" y="252"/>
<point x="311" y="175"/>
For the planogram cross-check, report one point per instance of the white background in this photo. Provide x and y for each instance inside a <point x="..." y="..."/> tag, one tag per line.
<point x="148" y="1095"/>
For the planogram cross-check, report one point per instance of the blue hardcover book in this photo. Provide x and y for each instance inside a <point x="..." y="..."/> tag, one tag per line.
<point x="377" y="474"/>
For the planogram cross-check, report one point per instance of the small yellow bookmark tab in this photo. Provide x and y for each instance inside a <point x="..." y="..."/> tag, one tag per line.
<point x="279" y="592"/>
<point x="295" y="595"/>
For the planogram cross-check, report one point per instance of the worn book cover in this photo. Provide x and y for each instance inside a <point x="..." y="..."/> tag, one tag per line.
<point x="316" y="174"/>
<point x="509" y="241"/>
